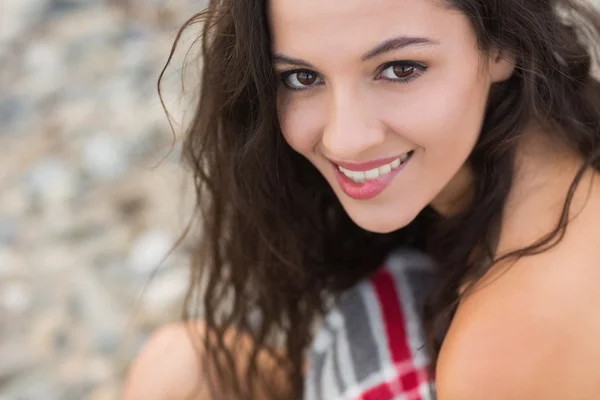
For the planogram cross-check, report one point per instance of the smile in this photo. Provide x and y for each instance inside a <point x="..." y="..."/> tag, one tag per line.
<point x="372" y="174"/>
<point x="364" y="181"/>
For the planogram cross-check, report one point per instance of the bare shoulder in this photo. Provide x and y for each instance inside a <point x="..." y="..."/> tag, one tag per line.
<point x="530" y="330"/>
<point x="168" y="366"/>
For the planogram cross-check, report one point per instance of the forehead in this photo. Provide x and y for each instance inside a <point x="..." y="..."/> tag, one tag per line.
<point x="299" y="23"/>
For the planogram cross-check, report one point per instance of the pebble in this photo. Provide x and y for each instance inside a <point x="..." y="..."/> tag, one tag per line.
<point x="9" y="262"/>
<point x="53" y="181"/>
<point x="35" y="385"/>
<point x="106" y="392"/>
<point x="9" y="230"/>
<point x="149" y="250"/>
<point x="104" y="156"/>
<point x="58" y="7"/>
<point x="16" y="298"/>
<point x="44" y="68"/>
<point x="51" y="337"/>
<point x="98" y="310"/>
<point x="15" y="202"/>
<point x="164" y="291"/>
<point x="15" y="358"/>
<point x="54" y="260"/>
<point x="18" y="16"/>
<point x="13" y="110"/>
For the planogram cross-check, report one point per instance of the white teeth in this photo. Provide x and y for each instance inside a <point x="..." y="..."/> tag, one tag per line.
<point x="372" y="173"/>
<point x="346" y="172"/>
<point x="385" y="169"/>
<point x="358" y="176"/>
<point x="361" y="176"/>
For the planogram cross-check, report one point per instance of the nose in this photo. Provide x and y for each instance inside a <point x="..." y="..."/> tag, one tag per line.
<point x="352" y="126"/>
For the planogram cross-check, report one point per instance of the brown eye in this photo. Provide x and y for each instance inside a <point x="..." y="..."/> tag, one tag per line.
<point x="306" y="78"/>
<point x="403" y="71"/>
<point x="299" y="80"/>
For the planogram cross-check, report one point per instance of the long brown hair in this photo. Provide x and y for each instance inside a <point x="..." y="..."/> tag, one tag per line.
<point x="275" y="244"/>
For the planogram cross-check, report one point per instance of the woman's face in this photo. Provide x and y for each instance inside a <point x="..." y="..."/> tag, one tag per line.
<point x="385" y="98"/>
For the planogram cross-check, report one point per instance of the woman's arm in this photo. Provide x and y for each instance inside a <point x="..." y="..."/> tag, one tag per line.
<point x="167" y="368"/>
<point x="170" y="366"/>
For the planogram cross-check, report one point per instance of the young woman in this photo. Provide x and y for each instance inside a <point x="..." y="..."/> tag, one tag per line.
<point x="331" y="133"/>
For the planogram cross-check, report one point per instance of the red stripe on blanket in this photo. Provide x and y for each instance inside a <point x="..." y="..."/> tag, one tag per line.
<point x="408" y="382"/>
<point x="393" y="315"/>
<point x="379" y="392"/>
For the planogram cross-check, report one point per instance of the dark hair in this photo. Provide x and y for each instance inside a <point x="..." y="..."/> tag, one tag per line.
<point x="275" y="244"/>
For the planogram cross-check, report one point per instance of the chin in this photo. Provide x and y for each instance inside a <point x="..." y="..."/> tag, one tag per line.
<point x="379" y="221"/>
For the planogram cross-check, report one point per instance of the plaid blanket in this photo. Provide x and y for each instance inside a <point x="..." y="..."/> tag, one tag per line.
<point x="370" y="346"/>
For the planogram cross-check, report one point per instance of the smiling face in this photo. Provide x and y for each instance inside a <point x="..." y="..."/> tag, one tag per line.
<point x="385" y="98"/>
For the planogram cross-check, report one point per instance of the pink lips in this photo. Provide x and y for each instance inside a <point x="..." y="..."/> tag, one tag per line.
<point x="369" y="188"/>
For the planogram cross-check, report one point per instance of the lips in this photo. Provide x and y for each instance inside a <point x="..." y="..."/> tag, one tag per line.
<point x="366" y="165"/>
<point x="364" y="181"/>
<point x="377" y="168"/>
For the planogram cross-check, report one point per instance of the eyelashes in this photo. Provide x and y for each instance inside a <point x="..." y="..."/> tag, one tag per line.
<point x="300" y="79"/>
<point x="393" y="72"/>
<point x="401" y="71"/>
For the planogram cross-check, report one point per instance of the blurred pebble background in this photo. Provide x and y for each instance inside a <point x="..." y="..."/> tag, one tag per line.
<point x="92" y="193"/>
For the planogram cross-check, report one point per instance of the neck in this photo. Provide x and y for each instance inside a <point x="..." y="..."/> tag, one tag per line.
<point x="544" y="171"/>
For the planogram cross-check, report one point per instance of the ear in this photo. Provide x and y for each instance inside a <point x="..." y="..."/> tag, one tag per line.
<point x="501" y="65"/>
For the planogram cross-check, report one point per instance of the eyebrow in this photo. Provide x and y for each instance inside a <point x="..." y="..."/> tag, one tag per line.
<point x="280" y="58"/>
<point x="396" y="43"/>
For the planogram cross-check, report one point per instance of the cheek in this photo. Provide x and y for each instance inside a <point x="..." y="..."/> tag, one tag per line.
<point x="444" y="114"/>
<point x="301" y="124"/>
